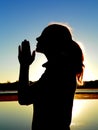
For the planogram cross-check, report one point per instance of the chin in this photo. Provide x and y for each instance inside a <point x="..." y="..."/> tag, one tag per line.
<point x="39" y="50"/>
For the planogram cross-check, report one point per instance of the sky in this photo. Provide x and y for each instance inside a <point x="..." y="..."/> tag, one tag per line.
<point x="25" y="19"/>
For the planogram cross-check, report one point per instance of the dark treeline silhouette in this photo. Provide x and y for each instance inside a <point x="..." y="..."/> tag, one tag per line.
<point x="11" y="86"/>
<point x="90" y="84"/>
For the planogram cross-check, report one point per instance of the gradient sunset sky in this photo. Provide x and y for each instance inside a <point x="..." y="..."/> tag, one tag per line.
<point x="25" y="19"/>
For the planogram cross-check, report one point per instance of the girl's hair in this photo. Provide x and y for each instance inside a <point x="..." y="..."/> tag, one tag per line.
<point x="78" y="59"/>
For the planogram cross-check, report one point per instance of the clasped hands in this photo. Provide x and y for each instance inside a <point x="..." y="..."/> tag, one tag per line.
<point x="25" y="56"/>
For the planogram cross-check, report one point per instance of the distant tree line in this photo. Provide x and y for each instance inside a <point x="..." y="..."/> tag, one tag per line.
<point x="14" y="85"/>
<point x="9" y="86"/>
<point x="90" y="84"/>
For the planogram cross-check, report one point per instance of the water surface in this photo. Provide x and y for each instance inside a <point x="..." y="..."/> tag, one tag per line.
<point x="16" y="117"/>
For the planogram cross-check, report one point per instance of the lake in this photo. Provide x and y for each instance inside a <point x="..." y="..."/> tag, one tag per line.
<point x="16" y="117"/>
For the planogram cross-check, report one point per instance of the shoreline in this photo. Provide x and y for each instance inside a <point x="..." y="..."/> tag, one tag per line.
<point x="14" y="97"/>
<point x="86" y="96"/>
<point x="8" y="97"/>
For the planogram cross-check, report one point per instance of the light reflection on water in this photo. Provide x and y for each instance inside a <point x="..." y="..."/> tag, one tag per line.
<point x="16" y="117"/>
<point x="85" y="114"/>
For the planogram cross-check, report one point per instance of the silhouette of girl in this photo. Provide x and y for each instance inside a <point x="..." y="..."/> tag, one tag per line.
<point x="52" y="95"/>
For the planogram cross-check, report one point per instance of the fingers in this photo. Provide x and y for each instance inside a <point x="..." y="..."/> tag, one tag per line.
<point x="24" y="53"/>
<point x="19" y="49"/>
<point x="25" y="45"/>
<point x="33" y="55"/>
<point x="19" y="52"/>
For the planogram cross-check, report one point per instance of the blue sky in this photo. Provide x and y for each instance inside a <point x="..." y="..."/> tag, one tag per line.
<point x="25" y="19"/>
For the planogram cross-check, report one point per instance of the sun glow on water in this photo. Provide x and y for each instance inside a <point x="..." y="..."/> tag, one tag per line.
<point x="78" y="107"/>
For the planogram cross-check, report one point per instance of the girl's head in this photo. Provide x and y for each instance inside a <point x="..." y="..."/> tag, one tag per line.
<point x="53" y="38"/>
<point x="56" y="43"/>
